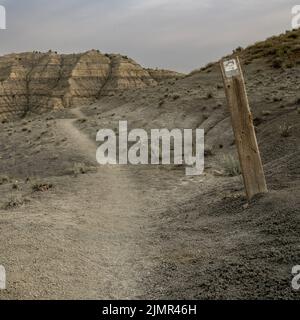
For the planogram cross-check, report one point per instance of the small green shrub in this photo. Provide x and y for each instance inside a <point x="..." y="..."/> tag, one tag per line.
<point x="209" y="95"/>
<point x="266" y="112"/>
<point x="15" y="202"/>
<point x="41" y="187"/>
<point x="4" y="180"/>
<point x="81" y="168"/>
<point x="161" y="102"/>
<point x="285" y="130"/>
<point x="231" y="165"/>
<point x="277" y="63"/>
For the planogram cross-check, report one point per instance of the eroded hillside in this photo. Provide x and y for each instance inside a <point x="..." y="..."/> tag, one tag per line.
<point x="38" y="82"/>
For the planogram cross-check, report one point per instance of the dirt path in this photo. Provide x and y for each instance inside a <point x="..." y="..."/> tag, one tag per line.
<point x="78" y="139"/>
<point x="83" y="242"/>
<point x="111" y="212"/>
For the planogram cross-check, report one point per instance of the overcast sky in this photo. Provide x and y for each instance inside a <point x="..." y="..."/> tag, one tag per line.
<point x="176" y="34"/>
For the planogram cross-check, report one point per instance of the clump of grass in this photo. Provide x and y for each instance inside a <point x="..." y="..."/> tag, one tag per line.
<point x="231" y="165"/>
<point x="41" y="187"/>
<point x="285" y="130"/>
<point x="161" y="102"/>
<point x="81" y="168"/>
<point x="277" y="99"/>
<point x="15" y="202"/>
<point x="217" y="106"/>
<point x="238" y="50"/>
<point x="208" y="151"/>
<point x="209" y="95"/>
<point x="266" y="112"/>
<point x="4" y="180"/>
<point x="293" y="36"/>
<point x="277" y="63"/>
<point x="15" y="185"/>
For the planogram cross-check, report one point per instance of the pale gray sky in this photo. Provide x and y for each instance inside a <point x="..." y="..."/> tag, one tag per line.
<point x="177" y="34"/>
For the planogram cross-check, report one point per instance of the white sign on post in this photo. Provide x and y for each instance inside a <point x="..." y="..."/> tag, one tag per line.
<point x="231" y="68"/>
<point x="2" y="18"/>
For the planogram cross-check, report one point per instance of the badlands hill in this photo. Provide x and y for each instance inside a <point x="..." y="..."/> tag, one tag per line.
<point x="39" y="82"/>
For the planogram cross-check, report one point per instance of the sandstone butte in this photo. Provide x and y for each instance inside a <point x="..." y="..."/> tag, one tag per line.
<point x="38" y="82"/>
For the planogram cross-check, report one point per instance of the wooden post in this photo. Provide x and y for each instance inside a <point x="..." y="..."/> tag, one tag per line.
<point x="242" y="122"/>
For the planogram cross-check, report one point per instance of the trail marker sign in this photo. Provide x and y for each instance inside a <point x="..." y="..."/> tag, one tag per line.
<point x="231" y="68"/>
<point x="242" y="122"/>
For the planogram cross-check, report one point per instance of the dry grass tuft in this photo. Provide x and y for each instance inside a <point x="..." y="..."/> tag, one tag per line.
<point x="285" y="130"/>
<point x="231" y="165"/>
